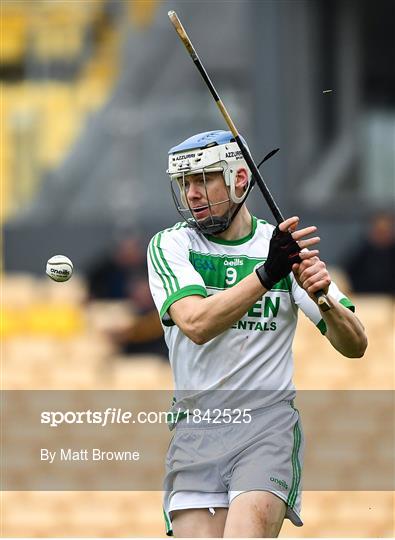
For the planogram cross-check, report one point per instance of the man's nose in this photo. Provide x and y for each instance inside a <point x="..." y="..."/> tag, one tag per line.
<point x="194" y="191"/>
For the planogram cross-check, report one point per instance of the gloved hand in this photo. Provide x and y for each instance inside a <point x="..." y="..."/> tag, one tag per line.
<point x="283" y="253"/>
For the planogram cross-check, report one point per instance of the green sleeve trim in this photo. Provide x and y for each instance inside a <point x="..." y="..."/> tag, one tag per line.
<point x="169" y="280"/>
<point x="346" y="302"/>
<point x="322" y="326"/>
<point x="164" y="261"/>
<point x="189" y="290"/>
<point x="157" y="268"/>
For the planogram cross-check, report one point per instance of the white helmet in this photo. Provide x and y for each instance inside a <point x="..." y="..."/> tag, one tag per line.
<point x="212" y="151"/>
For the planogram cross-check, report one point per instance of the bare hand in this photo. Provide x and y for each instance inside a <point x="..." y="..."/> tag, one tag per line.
<point x="312" y="275"/>
<point x="290" y="225"/>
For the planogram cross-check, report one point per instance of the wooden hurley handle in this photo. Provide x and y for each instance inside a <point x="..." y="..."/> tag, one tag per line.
<point x="182" y="33"/>
<point x="323" y="301"/>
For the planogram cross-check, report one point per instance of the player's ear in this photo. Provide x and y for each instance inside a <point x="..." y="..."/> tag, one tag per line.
<point x="241" y="181"/>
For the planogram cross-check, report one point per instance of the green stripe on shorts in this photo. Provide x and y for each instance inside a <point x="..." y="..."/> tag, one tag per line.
<point x="296" y="468"/>
<point x="169" y="530"/>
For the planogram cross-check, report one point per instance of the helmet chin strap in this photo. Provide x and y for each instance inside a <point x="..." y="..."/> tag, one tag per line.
<point x="210" y="225"/>
<point x="215" y="224"/>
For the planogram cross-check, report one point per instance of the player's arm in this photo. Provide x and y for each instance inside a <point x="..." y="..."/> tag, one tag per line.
<point x="344" y="330"/>
<point x="202" y="319"/>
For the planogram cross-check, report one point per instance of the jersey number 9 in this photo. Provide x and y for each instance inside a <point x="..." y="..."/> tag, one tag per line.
<point x="230" y="276"/>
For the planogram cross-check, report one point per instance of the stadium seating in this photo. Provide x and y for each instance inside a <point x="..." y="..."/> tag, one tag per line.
<point x="14" y="30"/>
<point x="318" y="366"/>
<point x="44" y="112"/>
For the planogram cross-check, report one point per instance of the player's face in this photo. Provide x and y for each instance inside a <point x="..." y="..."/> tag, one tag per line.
<point x="206" y="194"/>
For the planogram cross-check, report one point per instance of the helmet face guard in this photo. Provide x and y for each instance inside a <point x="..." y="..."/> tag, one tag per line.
<point x="214" y="151"/>
<point x="211" y="224"/>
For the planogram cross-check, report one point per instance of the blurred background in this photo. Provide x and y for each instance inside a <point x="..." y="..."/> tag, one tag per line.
<point x="93" y="94"/>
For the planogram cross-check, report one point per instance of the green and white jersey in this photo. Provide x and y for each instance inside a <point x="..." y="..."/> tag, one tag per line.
<point x="256" y="352"/>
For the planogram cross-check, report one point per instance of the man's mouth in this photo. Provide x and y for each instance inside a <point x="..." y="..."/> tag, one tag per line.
<point x="200" y="211"/>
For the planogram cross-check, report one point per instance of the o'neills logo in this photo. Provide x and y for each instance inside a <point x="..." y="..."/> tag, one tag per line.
<point x="60" y="272"/>
<point x="281" y="483"/>
<point x="184" y="156"/>
<point x="235" y="262"/>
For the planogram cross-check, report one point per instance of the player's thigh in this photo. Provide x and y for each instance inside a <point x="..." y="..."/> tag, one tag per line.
<point x="199" y="523"/>
<point x="255" y="514"/>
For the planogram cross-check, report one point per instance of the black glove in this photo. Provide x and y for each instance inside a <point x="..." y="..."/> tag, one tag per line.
<point x="283" y="253"/>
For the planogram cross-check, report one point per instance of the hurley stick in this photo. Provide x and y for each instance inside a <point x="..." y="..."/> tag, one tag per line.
<point x="320" y="295"/>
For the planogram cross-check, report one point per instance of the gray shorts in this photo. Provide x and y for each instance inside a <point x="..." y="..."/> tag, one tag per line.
<point x="208" y="464"/>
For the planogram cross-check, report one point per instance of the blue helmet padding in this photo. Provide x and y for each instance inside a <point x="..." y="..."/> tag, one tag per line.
<point x="203" y="140"/>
